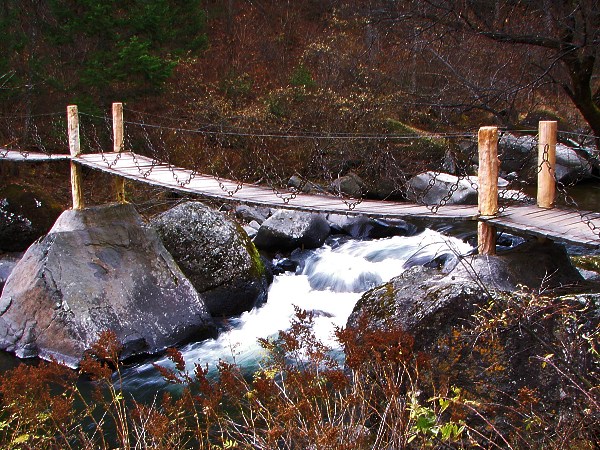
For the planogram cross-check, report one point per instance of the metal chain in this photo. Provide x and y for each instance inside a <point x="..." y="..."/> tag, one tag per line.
<point x="586" y="217"/>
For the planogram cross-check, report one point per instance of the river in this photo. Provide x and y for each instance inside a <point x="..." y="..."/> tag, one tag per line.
<point x="329" y="281"/>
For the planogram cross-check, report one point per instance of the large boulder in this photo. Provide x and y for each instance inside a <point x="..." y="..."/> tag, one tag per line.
<point x="510" y="270"/>
<point x="572" y="165"/>
<point x="99" y="269"/>
<point x="435" y="188"/>
<point x="216" y="255"/>
<point x="24" y="216"/>
<point x="487" y="344"/>
<point x="303" y="185"/>
<point x="252" y="213"/>
<point x="350" y="184"/>
<point x="287" y="230"/>
<point x="418" y="295"/>
<point x="520" y="154"/>
<point x="421" y="301"/>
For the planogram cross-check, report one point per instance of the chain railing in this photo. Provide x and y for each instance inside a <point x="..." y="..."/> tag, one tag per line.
<point x="37" y="133"/>
<point x="351" y="166"/>
<point x="315" y="162"/>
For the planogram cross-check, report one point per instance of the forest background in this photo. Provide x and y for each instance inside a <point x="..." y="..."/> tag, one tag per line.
<point x="343" y="66"/>
<point x="330" y="65"/>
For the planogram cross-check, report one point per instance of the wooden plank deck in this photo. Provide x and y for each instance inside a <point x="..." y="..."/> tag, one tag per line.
<point x="18" y="156"/>
<point x="135" y="167"/>
<point x="579" y="227"/>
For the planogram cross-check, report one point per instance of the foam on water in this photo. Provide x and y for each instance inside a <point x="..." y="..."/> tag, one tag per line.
<point x="330" y="282"/>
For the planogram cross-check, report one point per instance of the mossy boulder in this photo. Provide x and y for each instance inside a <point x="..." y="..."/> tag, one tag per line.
<point x="216" y="255"/>
<point x="470" y="335"/>
<point x="587" y="262"/>
<point x="25" y="215"/>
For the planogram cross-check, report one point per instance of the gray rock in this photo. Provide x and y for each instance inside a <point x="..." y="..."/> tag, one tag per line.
<point x="382" y="188"/>
<point x="571" y="166"/>
<point x="287" y="230"/>
<point x="520" y="154"/>
<point x="431" y="188"/>
<point x="250" y="213"/>
<point x="99" y="269"/>
<point x="7" y="265"/>
<point x="216" y="255"/>
<point x="434" y="188"/>
<point x="350" y="184"/>
<point x="251" y="229"/>
<point x="509" y="270"/>
<point x="305" y="186"/>
<point x="362" y="227"/>
<point x="422" y="300"/>
<point x="419" y="303"/>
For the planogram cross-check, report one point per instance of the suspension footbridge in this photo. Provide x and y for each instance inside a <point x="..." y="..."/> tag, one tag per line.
<point x="542" y="220"/>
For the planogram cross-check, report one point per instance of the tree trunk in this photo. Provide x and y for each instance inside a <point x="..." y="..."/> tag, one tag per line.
<point x="580" y="91"/>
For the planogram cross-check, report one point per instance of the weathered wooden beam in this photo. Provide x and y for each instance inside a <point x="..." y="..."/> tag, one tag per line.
<point x="546" y="189"/>
<point x="118" y="143"/>
<point x="75" y="149"/>
<point x="488" y="188"/>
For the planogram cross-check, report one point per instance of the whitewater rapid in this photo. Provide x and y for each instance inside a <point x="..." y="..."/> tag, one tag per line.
<point x="329" y="281"/>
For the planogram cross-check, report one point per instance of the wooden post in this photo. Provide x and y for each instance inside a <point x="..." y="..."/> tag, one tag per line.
<point x="118" y="142"/>
<point x="546" y="190"/>
<point x="75" y="149"/>
<point x="488" y="188"/>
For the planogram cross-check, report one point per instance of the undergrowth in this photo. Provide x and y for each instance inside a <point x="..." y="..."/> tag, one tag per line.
<point x="386" y="395"/>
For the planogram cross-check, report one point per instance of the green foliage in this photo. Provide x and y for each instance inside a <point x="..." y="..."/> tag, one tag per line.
<point x="587" y="262"/>
<point x="426" y="147"/>
<point x="276" y="105"/>
<point x="97" y="49"/>
<point x="301" y="77"/>
<point x="133" y="44"/>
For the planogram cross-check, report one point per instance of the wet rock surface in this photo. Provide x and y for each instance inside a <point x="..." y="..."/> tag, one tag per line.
<point x="287" y="230"/>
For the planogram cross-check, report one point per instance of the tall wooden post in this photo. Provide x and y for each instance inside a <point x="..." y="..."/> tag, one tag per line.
<point x="75" y="149"/>
<point x="488" y="188"/>
<point x="118" y="142"/>
<point x="546" y="190"/>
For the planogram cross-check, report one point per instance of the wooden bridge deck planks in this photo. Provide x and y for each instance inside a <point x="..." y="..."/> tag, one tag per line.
<point x="579" y="227"/>
<point x="23" y="156"/>
<point x="208" y="186"/>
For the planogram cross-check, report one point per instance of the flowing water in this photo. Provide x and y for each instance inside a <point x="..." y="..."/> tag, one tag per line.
<point x="328" y="282"/>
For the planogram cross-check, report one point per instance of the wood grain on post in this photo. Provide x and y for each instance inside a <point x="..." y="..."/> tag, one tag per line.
<point x="118" y="143"/>
<point x="488" y="188"/>
<point x="546" y="191"/>
<point x="75" y="149"/>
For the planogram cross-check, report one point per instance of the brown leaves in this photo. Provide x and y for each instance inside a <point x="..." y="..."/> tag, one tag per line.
<point x="100" y="361"/>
